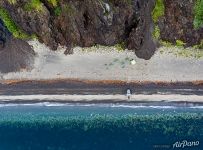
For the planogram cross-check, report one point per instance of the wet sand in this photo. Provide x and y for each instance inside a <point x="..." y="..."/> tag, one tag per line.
<point x="85" y="91"/>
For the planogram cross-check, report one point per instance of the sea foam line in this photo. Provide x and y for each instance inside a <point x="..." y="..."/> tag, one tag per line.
<point x="131" y="106"/>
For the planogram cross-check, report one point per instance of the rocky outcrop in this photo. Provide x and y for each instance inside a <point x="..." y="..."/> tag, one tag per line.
<point x="15" y="54"/>
<point x="140" y="35"/>
<point x="88" y="22"/>
<point x="178" y="22"/>
<point x="4" y="35"/>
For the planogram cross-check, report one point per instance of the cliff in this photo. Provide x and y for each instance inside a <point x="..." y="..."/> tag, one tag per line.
<point x="15" y="54"/>
<point x="134" y="24"/>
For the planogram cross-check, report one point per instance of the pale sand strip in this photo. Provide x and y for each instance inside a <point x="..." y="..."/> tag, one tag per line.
<point x="105" y="63"/>
<point x="103" y="98"/>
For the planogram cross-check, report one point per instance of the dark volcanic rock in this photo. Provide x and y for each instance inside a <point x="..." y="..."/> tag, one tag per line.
<point x="89" y="22"/>
<point x="177" y="23"/>
<point x="4" y="35"/>
<point x="15" y="54"/>
<point x="107" y="22"/>
<point x="140" y="35"/>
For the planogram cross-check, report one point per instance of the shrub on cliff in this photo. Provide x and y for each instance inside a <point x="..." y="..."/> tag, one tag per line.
<point x="158" y="10"/>
<point x="10" y="24"/>
<point x="34" y="5"/>
<point x="198" y="10"/>
<point x="53" y="2"/>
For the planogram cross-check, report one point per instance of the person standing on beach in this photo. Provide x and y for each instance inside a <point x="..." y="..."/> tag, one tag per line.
<point x="128" y="93"/>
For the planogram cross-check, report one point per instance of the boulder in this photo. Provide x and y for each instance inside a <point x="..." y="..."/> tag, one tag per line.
<point x="15" y="54"/>
<point x="178" y="23"/>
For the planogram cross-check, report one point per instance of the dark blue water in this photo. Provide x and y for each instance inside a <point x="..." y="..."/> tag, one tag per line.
<point x="99" y="127"/>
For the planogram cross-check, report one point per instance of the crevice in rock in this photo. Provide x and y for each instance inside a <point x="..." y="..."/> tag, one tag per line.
<point x="86" y="20"/>
<point x="130" y="27"/>
<point x="138" y="5"/>
<point x="45" y="3"/>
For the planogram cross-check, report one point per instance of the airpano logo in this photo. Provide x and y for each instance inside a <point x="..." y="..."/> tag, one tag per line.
<point x="185" y="143"/>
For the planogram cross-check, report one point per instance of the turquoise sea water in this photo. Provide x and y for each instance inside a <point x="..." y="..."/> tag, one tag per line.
<point x="99" y="127"/>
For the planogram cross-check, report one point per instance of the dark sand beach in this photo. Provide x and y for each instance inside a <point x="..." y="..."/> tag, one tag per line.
<point x="86" y="91"/>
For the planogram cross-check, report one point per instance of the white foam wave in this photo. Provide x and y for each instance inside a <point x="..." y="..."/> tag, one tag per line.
<point x="145" y="106"/>
<point x="131" y="106"/>
<point x="91" y="100"/>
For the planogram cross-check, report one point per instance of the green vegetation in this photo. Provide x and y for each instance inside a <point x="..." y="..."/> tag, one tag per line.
<point x="120" y="46"/>
<point x="34" y="5"/>
<point x="156" y="14"/>
<point x="12" y="1"/>
<point x="158" y="10"/>
<point x="156" y="33"/>
<point x="198" y="10"/>
<point x="180" y="43"/>
<point x="57" y="8"/>
<point x="192" y="53"/>
<point x="200" y="46"/>
<point x="57" y="11"/>
<point x="53" y="2"/>
<point x="179" y="51"/>
<point x="182" y="52"/>
<point x="10" y="24"/>
<point x="166" y="43"/>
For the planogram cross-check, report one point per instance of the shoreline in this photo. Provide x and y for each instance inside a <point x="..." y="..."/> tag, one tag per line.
<point x="103" y="91"/>
<point x="183" y="100"/>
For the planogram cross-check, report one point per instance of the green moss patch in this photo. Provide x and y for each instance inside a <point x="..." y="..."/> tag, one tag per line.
<point x="180" y="43"/>
<point x="166" y="43"/>
<point x="156" y="34"/>
<point x="57" y="11"/>
<point x="53" y="2"/>
<point x="34" y="5"/>
<point x="120" y="46"/>
<point x="198" y="11"/>
<point x="11" y="26"/>
<point x="158" y="11"/>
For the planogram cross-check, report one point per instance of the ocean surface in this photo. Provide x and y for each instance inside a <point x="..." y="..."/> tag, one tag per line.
<point x="63" y="126"/>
